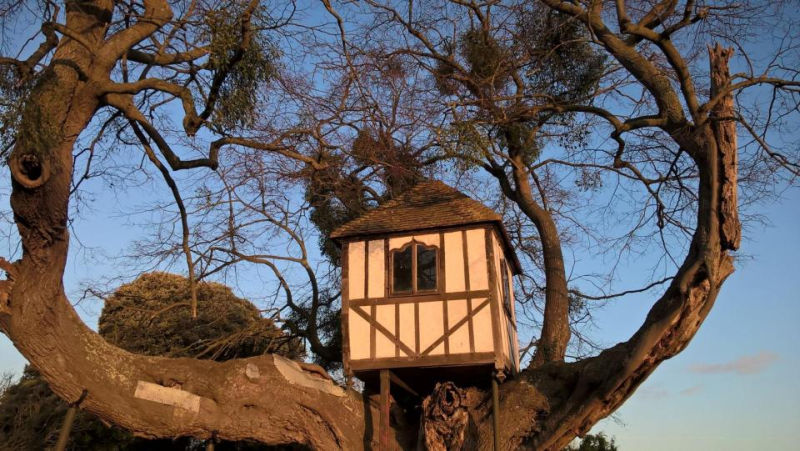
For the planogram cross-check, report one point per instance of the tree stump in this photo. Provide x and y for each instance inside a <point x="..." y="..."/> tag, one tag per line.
<point x="445" y="423"/>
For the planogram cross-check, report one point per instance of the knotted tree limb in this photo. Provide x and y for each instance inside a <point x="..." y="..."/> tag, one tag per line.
<point x="445" y="423"/>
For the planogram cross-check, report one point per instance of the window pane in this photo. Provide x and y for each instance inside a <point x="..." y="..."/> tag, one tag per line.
<point x="426" y="268"/>
<point x="401" y="271"/>
<point x="505" y="285"/>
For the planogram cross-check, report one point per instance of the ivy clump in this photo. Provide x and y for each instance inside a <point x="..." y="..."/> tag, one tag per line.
<point x="242" y="58"/>
<point x="147" y="316"/>
<point x="25" y="118"/>
<point x="151" y="315"/>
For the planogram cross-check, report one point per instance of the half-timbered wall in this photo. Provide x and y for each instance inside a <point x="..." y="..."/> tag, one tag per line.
<point x="508" y="323"/>
<point x="451" y="325"/>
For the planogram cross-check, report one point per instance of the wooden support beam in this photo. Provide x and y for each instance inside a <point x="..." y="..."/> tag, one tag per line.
<point x="63" y="435"/>
<point x="394" y="378"/>
<point x="496" y="413"/>
<point x="69" y="418"/>
<point x="384" y="410"/>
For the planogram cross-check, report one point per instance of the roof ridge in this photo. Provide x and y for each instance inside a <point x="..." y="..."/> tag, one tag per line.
<point x="428" y="204"/>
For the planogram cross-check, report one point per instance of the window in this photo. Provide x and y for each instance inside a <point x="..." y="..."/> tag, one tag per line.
<point x="414" y="269"/>
<point x="506" y="286"/>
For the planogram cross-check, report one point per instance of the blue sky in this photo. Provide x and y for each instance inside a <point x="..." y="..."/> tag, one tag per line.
<point x="734" y="388"/>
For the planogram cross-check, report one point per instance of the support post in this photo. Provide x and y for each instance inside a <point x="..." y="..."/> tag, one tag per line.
<point x="69" y="418"/>
<point x="496" y="413"/>
<point x="63" y="435"/>
<point x="384" y="414"/>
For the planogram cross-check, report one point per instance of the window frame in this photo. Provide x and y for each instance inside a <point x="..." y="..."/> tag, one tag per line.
<point x="414" y="276"/>
<point x="506" y="287"/>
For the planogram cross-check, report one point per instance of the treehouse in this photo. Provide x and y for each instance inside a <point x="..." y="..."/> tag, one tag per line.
<point x="427" y="290"/>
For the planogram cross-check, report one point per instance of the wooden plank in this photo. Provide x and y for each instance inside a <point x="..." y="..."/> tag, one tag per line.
<point x="413" y="266"/>
<point x="373" y="320"/>
<point x="344" y="316"/>
<point x="416" y="329"/>
<point x="427" y="297"/>
<point x="495" y="307"/>
<point x="422" y="231"/>
<point x="495" y="414"/>
<point x="471" y="324"/>
<point x="397" y="328"/>
<point x="446" y="336"/>
<point x="449" y="331"/>
<point x="373" y="340"/>
<point x="384" y="410"/>
<point x="376" y="326"/>
<point x="441" y="277"/>
<point x="386" y="288"/>
<point x="440" y="282"/>
<point x="478" y="358"/>
<point x="399" y="382"/>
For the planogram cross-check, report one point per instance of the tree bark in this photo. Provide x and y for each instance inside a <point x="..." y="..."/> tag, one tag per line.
<point x="275" y="401"/>
<point x="555" y="335"/>
<point x="446" y="423"/>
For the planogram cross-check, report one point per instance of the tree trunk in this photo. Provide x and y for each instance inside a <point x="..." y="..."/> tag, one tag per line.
<point x="555" y="335"/>
<point x="272" y="400"/>
<point x="446" y="423"/>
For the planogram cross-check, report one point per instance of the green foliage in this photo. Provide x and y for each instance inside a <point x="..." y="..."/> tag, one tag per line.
<point x="560" y="61"/>
<point x="400" y="168"/>
<point x="554" y="58"/>
<point x="247" y="62"/>
<point x="335" y="198"/>
<point x="338" y="195"/>
<point x="598" y="442"/>
<point x="520" y="137"/>
<point x="487" y="60"/>
<point x="23" y="118"/>
<point x="226" y="327"/>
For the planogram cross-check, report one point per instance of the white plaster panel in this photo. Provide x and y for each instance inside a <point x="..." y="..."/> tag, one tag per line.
<point x="504" y="347"/>
<point x="454" y="262"/>
<point x="384" y="346"/>
<point x="498" y="291"/>
<point x="407" y="326"/>
<point x="482" y="327"/>
<point x="459" y="339"/>
<point x="358" y="328"/>
<point x="430" y="324"/>
<point x="476" y="250"/>
<point x="438" y="350"/>
<point x="431" y="239"/>
<point x="376" y="269"/>
<point x="399" y="241"/>
<point x="355" y="270"/>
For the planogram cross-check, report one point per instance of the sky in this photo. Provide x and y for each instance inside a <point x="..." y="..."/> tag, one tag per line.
<point x="734" y="388"/>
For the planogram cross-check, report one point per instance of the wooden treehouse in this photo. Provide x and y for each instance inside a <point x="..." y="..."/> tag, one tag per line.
<point x="427" y="291"/>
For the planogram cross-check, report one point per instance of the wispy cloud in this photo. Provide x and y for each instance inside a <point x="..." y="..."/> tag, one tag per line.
<point x="655" y="392"/>
<point x="691" y="390"/>
<point x="748" y="364"/>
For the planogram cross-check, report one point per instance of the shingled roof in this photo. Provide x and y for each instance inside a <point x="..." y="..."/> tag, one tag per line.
<point x="428" y="205"/>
